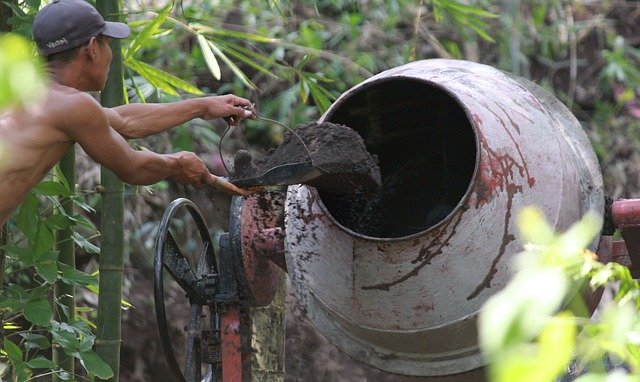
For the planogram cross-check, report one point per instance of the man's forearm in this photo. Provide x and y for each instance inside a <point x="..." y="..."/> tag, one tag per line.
<point x="141" y="120"/>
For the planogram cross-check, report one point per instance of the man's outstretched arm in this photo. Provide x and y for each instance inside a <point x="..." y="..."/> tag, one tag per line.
<point x="86" y="123"/>
<point x="139" y="120"/>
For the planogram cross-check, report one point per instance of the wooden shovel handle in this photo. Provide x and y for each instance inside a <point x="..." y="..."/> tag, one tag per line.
<point x="228" y="187"/>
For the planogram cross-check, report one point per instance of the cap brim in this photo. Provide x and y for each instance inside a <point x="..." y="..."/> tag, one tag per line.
<point x="116" y="30"/>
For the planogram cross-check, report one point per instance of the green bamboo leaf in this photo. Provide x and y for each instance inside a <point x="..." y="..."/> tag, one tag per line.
<point x="136" y="88"/>
<point x="467" y="9"/>
<point x="304" y="90"/>
<point x="248" y="56"/>
<point x="145" y="71"/>
<point x="233" y="67"/>
<point x="38" y="311"/>
<point x="209" y="57"/>
<point x="148" y="31"/>
<point x="95" y="365"/>
<point x="139" y="23"/>
<point x="204" y="29"/>
<point x="153" y="74"/>
<point x="320" y="96"/>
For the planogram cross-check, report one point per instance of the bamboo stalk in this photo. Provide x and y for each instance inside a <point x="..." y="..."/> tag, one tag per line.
<point x="5" y="13"/>
<point x="3" y="241"/>
<point x="112" y="246"/>
<point x="64" y="293"/>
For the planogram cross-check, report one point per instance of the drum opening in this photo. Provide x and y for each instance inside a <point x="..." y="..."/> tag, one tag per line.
<point x="426" y="149"/>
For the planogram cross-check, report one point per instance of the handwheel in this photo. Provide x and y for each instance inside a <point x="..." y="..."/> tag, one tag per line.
<point x="199" y="279"/>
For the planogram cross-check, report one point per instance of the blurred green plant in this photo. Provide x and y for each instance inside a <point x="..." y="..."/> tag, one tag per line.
<point x="539" y="324"/>
<point x="22" y="80"/>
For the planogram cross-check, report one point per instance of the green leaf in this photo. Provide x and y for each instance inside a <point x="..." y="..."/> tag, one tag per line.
<point x="13" y="351"/>
<point x="35" y="341"/>
<point x="234" y="68"/>
<point x="47" y="266"/>
<point x="42" y="242"/>
<point x="557" y="342"/>
<point x="533" y="227"/>
<point x="40" y="362"/>
<point x="149" y="74"/>
<point x="84" y="222"/>
<point x="52" y="188"/>
<point x="320" y="95"/>
<point x="161" y="79"/>
<point x="27" y="217"/>
<point x="15" y="252"/>
<point x="71" y="275"/>
<point x="59" y="221"/>
<point x="21" y="76"/>
<point x="150" y="29"/>
<point x="78" y="201"/>
<point x="60" y="177"/>
<point x="84" y="243"/>
<point x="95" y="365"/>
<point x="209" y="57"/>
<point x="236" y="34"/>
<point x="66" y="339"/>
<point x="38" y="311"/>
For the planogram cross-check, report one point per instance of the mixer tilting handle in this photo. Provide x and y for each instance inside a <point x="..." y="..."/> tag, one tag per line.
<point x="200" y="285"/>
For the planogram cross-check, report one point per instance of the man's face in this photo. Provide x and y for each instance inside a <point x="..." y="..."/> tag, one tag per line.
<point x="103" y="60"/>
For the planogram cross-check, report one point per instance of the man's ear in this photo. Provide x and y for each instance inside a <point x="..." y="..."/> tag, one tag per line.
<point x="92" y="48"/>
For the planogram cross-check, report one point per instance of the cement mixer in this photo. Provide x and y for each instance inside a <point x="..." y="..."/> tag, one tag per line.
<point x="397" y="281"/>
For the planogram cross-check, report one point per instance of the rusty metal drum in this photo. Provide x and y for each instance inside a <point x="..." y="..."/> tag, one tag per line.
<point x="396" y="280"/>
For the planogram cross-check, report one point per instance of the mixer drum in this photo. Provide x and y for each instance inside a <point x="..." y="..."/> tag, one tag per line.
<point x="397" y="280"/>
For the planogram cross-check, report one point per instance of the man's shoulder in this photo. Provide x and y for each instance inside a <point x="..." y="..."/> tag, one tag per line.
<point x="61" y="96"/>
<point x="68" y="104"/>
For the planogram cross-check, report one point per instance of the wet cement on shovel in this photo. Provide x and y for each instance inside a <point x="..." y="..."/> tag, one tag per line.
<point x="337" y="150"/>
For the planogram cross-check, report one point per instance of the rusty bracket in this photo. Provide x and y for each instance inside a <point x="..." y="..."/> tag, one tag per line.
<point x="625" y="214"/>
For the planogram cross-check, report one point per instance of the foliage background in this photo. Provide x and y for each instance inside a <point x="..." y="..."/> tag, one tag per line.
<point x="296" y="56"/>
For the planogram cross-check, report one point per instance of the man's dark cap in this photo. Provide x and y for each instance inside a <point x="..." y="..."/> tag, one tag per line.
<point x="66" y="24"/>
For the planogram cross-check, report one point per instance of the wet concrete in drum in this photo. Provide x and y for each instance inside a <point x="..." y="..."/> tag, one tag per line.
<point x="337" y="150"/>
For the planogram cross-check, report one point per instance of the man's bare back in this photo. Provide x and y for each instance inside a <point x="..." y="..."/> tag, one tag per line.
<point x="31" y="146"/>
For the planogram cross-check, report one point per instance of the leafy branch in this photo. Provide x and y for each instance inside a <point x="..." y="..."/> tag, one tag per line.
<point x="538" y="325"/>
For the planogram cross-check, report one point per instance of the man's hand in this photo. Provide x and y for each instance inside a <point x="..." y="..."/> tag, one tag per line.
<point x="192" y="169"/>
<point x="230" y="107"/>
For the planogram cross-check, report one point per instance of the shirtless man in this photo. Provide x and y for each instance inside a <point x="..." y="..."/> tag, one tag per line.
<point x="74" y="39"/>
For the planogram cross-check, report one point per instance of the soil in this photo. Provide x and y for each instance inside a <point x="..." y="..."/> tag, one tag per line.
<point x="337" y="150"/>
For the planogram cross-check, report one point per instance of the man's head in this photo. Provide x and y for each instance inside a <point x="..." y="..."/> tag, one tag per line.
<point x="67" y="24"/>
<point x="72" y="32"/>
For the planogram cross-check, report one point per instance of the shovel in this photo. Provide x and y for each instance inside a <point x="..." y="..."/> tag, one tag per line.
<point x="284" y="175"/>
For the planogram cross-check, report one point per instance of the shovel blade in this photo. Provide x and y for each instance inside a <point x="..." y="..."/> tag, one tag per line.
<point x="283" y="175"/>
